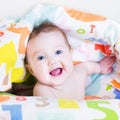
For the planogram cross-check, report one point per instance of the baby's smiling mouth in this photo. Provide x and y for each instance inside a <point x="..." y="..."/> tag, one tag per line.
<point x="56" y="72"/>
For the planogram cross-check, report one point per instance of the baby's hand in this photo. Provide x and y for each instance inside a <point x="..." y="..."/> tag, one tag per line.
<point x="106" y="64"/>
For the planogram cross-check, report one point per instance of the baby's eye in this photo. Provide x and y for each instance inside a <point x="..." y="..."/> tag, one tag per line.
<point x="41" y="58"/>
<point x="58" y="52"/>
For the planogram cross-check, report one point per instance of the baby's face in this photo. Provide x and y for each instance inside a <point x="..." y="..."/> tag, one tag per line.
<point x="50" y="58"/>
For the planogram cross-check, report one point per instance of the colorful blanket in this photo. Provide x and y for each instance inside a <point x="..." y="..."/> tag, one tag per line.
<point x="37" y="108"/>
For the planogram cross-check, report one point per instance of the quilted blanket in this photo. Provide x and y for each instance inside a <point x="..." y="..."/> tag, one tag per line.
<point x="37" y="108"/>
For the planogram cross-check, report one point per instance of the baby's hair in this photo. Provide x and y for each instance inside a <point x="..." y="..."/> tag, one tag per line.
<point x="46" y="27"/>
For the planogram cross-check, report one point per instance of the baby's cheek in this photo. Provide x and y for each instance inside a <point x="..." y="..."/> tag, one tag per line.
<point x="70" y="66"/>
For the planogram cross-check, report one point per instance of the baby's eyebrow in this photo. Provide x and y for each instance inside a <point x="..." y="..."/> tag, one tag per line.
<point x="36" y="52"/>
<point x="60" y="46"/>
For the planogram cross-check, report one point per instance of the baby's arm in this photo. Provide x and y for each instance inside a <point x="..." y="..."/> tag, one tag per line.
<point x="103" y="67"/>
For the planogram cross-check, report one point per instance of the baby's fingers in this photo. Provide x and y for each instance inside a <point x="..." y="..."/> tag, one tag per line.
<point x="111" y="61"/>
<point x="109" y="70"/>
<point x="108" y="58"/>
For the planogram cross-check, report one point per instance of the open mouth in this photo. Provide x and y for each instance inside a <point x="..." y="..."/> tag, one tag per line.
<point x="56" y="72"/>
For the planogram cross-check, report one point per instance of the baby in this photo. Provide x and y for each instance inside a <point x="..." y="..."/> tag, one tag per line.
<point x="49" y="60"/>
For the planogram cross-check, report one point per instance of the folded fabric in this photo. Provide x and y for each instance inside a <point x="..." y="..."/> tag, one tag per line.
<point x="40" y="108"/>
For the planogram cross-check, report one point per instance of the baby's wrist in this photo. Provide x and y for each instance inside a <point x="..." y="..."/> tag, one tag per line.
<point x="100" y="68"/>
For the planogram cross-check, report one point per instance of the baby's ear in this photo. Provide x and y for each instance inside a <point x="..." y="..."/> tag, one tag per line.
<point x="29" y="69"/>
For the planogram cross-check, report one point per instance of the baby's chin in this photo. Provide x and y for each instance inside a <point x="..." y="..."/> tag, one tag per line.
<point x="57" y="81"/>
<point x="58" y="76"/>
<point x="57" y="85"/>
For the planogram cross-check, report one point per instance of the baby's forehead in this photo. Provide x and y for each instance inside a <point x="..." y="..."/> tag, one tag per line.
<point x="48" y="31"/>
<point x="50" y="34"/>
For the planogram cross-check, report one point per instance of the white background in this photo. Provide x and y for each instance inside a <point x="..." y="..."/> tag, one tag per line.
<point x="107" y="8"/>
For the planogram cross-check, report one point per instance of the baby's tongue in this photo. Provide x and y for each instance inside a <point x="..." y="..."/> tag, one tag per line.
<point x="56" y="72"/>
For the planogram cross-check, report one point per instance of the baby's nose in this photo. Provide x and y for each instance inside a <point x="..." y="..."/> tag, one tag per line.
<point x="52" y="62"/>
